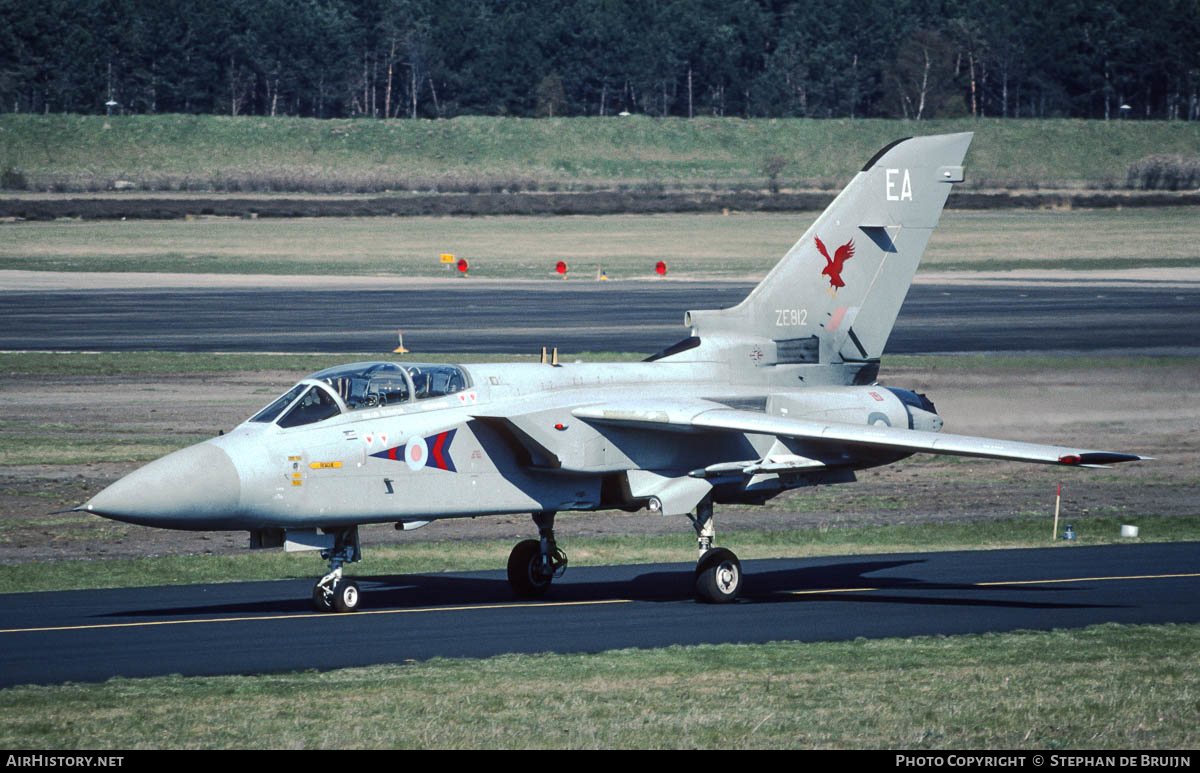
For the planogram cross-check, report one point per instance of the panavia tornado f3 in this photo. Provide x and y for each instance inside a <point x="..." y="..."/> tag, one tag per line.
<point x="776" y="393"/>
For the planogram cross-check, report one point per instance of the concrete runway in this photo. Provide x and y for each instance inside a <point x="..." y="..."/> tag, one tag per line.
<point x="268" y="626"/>
<point x="513" y="317"/>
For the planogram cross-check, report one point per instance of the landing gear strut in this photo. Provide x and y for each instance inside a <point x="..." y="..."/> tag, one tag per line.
<point x="333" y="593"/>
<point x="718" y="570"/>
<point x="535" y="563"/>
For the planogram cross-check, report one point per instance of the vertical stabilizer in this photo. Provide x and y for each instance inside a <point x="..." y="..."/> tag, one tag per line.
<point x="836" y="293"/>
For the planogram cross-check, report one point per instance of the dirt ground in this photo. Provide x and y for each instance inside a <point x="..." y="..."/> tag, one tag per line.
<point x="1122" y="405"/>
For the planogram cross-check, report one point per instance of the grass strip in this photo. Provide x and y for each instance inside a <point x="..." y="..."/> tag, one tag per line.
<point x="1103" y="687"/>
<point x="741" y="246"/>
<point x="494" y="154"/>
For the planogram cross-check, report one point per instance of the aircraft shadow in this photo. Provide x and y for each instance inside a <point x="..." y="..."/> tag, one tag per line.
<point x="791" y="585"/>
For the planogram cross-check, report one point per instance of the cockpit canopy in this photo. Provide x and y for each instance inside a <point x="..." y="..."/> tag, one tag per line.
<point x="332" y="391"/>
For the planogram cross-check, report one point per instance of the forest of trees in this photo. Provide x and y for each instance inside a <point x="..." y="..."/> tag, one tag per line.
<point x="440" y="58"/>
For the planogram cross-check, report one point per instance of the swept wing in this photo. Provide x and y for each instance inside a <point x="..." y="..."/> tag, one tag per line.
<point x="704" y="416"/>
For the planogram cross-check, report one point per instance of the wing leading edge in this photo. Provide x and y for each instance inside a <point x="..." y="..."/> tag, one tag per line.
<point x="703" y="416"/>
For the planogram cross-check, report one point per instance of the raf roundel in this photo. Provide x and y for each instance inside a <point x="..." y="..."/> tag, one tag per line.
<point x="416" y="453"/>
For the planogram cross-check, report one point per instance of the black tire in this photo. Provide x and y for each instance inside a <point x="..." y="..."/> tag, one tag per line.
<point x="322" y="602"/>
<point x="718" y="577"/>
<point x="523" y="562"/>
<point x="345" y="596"/>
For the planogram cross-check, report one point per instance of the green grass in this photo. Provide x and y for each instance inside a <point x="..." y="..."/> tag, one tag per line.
<point x="694" y="246"/>
<point x="71" y="152"/>
<point x="1104" y="687"/>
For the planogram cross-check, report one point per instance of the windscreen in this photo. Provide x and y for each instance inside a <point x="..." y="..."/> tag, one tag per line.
<point x="316" y="405"/>
<point x="274" y="409"/>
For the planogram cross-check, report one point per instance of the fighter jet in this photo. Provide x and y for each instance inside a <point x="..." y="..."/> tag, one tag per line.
<point x="777" y="393"/>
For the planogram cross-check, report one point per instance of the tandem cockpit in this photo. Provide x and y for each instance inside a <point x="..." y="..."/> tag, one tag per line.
<point x="347" y="388"/>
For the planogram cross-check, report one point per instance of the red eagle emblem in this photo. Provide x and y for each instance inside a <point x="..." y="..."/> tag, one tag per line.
<point x="833" y="266"/>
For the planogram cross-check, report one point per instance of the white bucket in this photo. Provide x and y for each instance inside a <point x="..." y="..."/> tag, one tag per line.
<point x="1129" y="531"/>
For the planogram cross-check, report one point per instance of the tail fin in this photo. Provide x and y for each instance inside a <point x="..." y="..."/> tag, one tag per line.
<point x="835" y="295"/>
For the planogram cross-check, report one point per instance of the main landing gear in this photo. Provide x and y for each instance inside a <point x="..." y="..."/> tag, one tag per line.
<point x="535" y="563"/>
<point x="334" y="593"/>
<point x="718" y="570"/>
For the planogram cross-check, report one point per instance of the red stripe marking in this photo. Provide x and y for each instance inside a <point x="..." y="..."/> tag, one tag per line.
<point x="438" y="461"/>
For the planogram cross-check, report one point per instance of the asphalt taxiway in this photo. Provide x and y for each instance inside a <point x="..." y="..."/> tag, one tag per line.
<point x="260" y="627"/>
<point x="521" y="317"/>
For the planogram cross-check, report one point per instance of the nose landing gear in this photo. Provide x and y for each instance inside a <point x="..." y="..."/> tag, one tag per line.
<point x="333" y="592"/>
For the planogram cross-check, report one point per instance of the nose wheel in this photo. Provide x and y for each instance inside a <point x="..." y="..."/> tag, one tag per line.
<point x="340" y="595"/>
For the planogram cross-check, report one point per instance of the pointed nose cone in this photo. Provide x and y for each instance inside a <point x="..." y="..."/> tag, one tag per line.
<point x="194" y="488"/>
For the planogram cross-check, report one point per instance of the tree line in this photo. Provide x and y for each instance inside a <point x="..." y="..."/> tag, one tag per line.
<point x="913" y="59"/>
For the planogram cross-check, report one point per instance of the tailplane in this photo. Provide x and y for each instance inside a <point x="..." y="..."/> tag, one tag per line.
<point x="834" y="296"/>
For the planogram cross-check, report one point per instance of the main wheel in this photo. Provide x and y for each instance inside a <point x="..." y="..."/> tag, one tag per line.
<point x="718" y="577"/>
<point x="524" y="570"/>
<point x="345" y="596"/>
